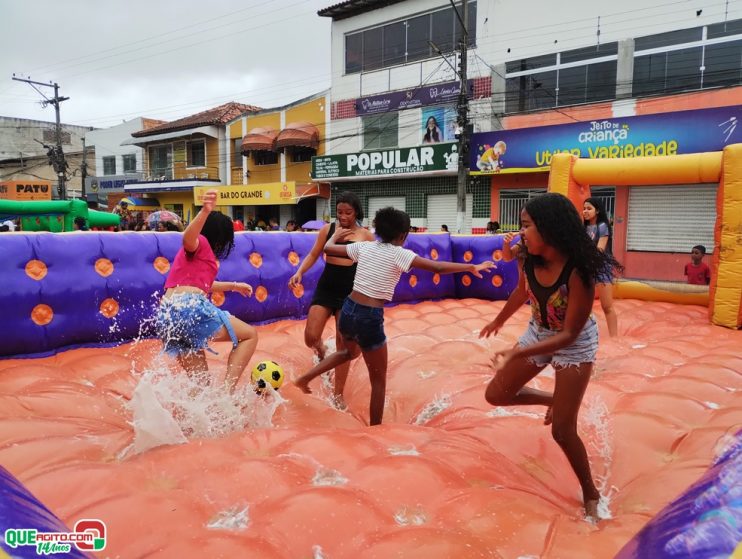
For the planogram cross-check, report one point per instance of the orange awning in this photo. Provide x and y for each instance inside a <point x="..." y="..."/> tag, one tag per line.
<point x="298" y="134"/>
<point x="312" y="190"/>
<point x="259" y="139"/>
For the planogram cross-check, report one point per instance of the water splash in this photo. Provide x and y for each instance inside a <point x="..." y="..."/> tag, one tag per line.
<point x="403" y="450"/>
<point x="501" y="411"/>
<point x="595" y="417"/>
<point x="234" y="519"/>
<point x="317" y="552"/>
<point x="323" y="476"/>
<point x="411" y="516"/>
<point x="438" y="405"/>
<point x="170" y="407"/>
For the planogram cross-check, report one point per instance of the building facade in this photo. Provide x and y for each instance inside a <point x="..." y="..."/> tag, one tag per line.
<point x="394" y="99"/>
<point x="270" y="162"/>
<point x="182" y="155"/>
<point x="115" y="164"/>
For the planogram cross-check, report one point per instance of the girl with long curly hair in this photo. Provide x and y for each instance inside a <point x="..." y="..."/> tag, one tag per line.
<point x="558" y="276"/>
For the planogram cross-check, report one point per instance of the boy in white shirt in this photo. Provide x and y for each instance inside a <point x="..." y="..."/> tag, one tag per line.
<point x="361" y="322"/>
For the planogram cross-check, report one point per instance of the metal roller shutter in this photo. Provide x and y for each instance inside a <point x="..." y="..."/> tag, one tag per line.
<point x="442" y="209"/>
<point x="671" y="218"/>
<point x="377" y="202"/>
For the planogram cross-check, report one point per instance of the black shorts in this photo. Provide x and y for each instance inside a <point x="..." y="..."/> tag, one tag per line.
<point x="334" y="285"/>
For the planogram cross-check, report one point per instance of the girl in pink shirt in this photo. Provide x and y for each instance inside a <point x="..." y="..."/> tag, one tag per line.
<point x="186" y="319"/>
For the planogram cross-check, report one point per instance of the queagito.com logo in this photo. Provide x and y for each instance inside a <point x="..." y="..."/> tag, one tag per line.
<point x="89" y="535"/>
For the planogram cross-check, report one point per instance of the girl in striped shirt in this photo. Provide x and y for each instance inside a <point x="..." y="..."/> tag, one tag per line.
<point x="361" y="322"/>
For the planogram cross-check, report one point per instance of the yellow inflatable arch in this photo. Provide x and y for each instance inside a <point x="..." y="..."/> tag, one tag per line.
<point x="573" y="176"/>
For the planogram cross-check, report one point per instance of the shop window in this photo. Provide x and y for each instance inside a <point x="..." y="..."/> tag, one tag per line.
<point x="531" y="92"/>
<point x="197" y="153"/>
<point x="130" y="163"/>
<point x="724" y="29"/>
<point x="395" y="37"/>
<point x="418" y="38"/>
<point x="265" y="157"/>
<point x="373" y="40"/>
<point x="237" y="152"/>
<point x="353" y="53"/>
<point x="381" y="131"/>
<point x="668" y="39"/>
<point x="109" y="165"/>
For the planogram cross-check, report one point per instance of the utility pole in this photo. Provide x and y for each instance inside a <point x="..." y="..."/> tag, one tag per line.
<point x="463" y="119"/>
<point x="84" y="169"/>
<point x="57" y="159"/>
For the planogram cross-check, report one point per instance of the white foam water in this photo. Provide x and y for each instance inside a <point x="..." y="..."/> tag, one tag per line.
<point x="234" y="519"/>
<point x="411" y="516"/>
<point x="170" y="407"/>
<point x="501" y="411"/>
<point x="596" y="421"/>
<point x="437" y="406"/>
<point x="403" y="450"/>
<point x="323" y="476"/>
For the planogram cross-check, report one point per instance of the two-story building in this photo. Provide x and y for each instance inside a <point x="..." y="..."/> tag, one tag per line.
<point x="270" y="163"/>
<point x="115" y="164"/>
<point x="185" y="154"/>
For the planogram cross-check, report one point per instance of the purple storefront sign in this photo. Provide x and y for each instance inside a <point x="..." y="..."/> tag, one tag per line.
<point x="411" y="98"/>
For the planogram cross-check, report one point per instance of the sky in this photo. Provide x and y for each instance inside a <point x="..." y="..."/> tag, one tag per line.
<point x="165" y="59"/>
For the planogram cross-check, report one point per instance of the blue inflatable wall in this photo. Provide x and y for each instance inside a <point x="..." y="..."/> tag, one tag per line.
<point x="704" y="523"/>
<point x="72" y="289"/>
<point x="19" y="509"/>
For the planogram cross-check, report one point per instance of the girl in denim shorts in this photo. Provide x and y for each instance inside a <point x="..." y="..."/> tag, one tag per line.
<point x="186" y="319"/>
<point x="558" y="276"/>
<point x="361" y="322"/>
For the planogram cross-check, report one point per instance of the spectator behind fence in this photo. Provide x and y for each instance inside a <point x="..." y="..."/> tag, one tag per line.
<point x="697" y="270"/>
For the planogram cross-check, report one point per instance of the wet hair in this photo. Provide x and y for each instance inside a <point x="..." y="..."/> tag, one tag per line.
<point x="352" y="199"/>
<point x="444" y="227"/>
<point x="701" y="248"/>
<point x="219" y="231"/>
<point x="562" y="227"/>
<point x="493" y="226"/>
<point x="391" y="224"/>
<point x="80" y="221"/>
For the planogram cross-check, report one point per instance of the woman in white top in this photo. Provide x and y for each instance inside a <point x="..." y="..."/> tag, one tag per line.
<point x="361" y="322"/>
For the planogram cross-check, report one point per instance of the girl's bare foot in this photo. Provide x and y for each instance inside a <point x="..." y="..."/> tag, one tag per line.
<point x="549" y="416"/>
<point x="338" y="402"/>
<point x="303" y="385"/>
<point x="591" y="510"/>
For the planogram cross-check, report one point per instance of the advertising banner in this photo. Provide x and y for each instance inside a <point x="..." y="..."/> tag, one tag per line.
<point x="251" y="194"/>
<point x="438" y="125"/>
<point x="531" y="149"/>
<point x="419" y="160"/>
<point x="412" y="98"/>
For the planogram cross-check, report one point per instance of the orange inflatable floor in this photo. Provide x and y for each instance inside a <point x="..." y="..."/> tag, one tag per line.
<point x="446" y="476"/>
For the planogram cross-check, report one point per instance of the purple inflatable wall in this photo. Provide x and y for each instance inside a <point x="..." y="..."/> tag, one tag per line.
<point x="66" y="290"/>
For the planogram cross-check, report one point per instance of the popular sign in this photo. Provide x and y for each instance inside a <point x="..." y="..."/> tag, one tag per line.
<point x="650" y="135"/>
<point x="251" y="195"/>
<point x="429" y="159"/>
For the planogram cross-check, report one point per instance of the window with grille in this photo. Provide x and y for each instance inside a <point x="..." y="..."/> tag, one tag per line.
<point x="130" y="163"/>
<point x="671" y="218"/>
<point x="511" y="204"/>
<point x="264" y="157"/>
<point x="197" y="153"/>
<point x="109" y="165"/>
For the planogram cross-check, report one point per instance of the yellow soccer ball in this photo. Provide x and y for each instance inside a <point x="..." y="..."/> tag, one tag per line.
<point x="265" y="373"/>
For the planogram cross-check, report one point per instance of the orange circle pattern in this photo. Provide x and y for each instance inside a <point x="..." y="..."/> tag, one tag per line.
<point x="104" y="267"/>
<point x="413" y="280"/>
<point x="497" y="255"/>
<point x="256" y="259"/>
<point x="433" y="254"/>
<point x="217" y="298"/>
<point x="42" y="315"/>
<point x="466" y="280"/>
<point x="261" y="294"/>
<point x="298" y="290"/>
<point x="293" y="258"/>
<point x="109" y="308"/>
<point x="436" y="279"/>
<point x="162" y="265"/>
<point x="497" y="281"/>
<point x="36" y="269"/>
<point x="468" y="256"/>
